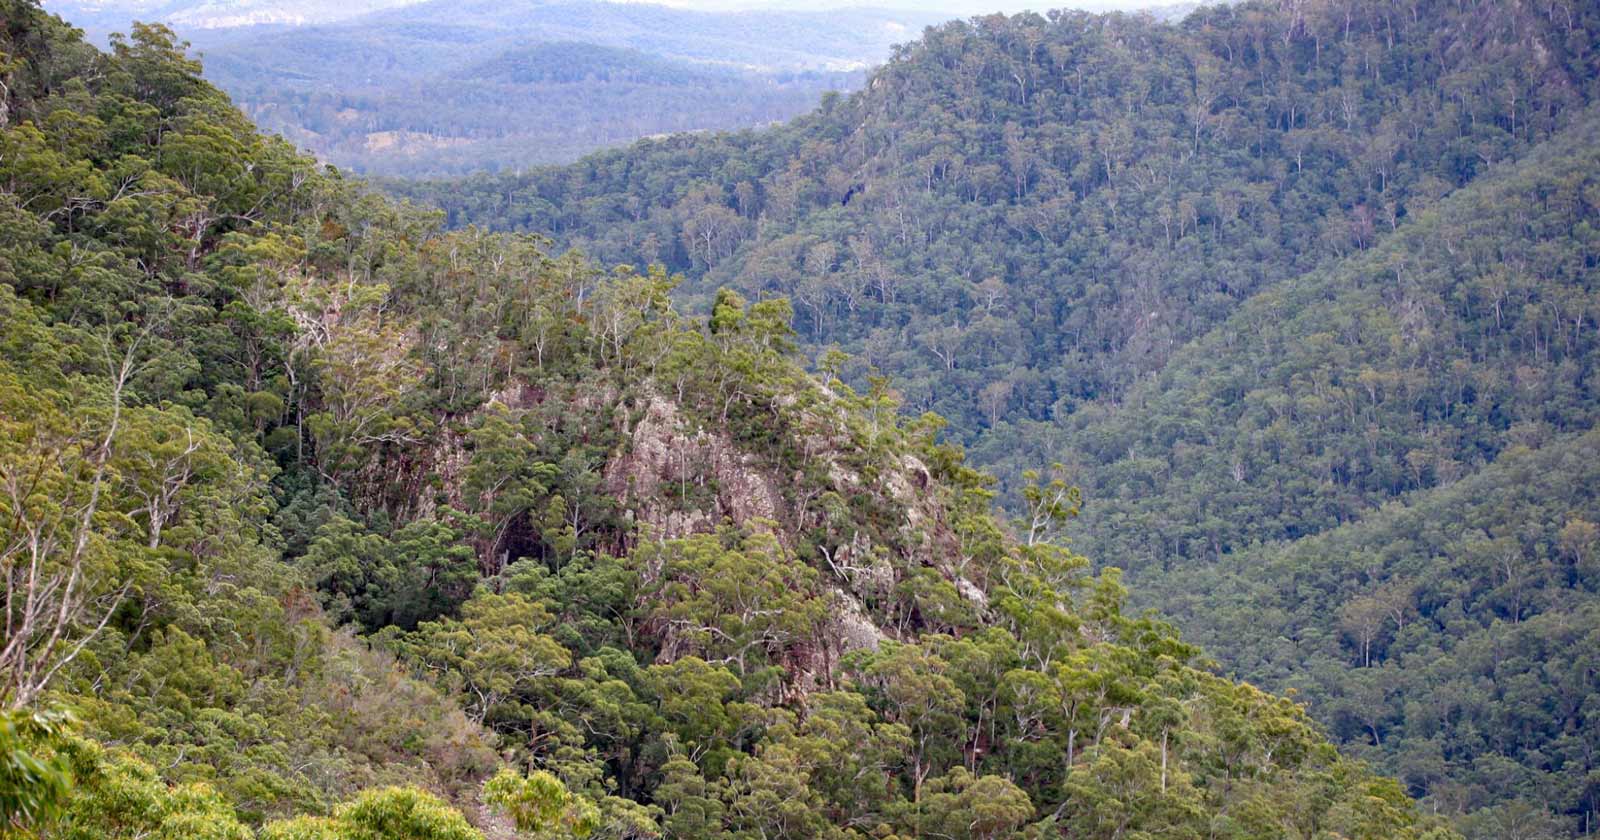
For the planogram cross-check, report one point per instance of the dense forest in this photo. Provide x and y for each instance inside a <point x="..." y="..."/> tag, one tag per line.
<point x="531" y="104"/>
<point x="1302" y="295"/>
<point x="325" y="522"/>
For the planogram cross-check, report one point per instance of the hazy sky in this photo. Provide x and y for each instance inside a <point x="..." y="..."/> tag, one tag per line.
<point x="191" y="15"/>
<point x="314" y="10"/>
<point x="954" y="8"/>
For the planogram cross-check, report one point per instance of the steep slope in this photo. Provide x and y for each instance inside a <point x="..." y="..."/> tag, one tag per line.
<point x="1419" y="361"/>
<point x="1251" y="278"/>
<point x="144" y="589"/>
<point x="1449" y="638"/>
<point x="1422" y="371"/>
<point x="682" y="586"/>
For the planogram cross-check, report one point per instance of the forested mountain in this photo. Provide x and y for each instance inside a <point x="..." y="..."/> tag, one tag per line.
<point x="1452" y="369"/>
<point x="1286" y="288"/>
<point x="100" y="18"/>
<point x="322" y="522"/>
<point x="1054" y="205"/>
<point x="449" y="87"/>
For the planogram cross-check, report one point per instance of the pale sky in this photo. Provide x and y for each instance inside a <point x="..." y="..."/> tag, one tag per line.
<point x="206" y="14"/>
<point x="954" y="8"/>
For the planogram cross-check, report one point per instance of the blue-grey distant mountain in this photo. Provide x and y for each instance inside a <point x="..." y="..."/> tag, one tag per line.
<point x="839" y="39"/>
<point x="100" y="17"/>
<point x="432" y="88"/>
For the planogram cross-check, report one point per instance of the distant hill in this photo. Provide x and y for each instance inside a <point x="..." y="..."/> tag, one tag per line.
<point x="838" y="39"/>
<point x="440" y="88"/>
<point x="100" y="17"/>
<point x="571" y="62"/>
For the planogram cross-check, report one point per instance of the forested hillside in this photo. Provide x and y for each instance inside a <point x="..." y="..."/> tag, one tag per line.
<point x="1381" y="474"/>
<point x="1276" y="285"/>
<point x="1023" y="214"/>
<point x="322" y="522"/>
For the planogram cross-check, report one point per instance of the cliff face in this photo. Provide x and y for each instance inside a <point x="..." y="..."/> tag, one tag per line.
<point x="678" y="476"/>
<point x="664" y="455"/>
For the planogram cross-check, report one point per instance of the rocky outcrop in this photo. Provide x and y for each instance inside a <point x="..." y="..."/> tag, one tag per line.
<point x="677" y="476"/>
<point x="678" y="479"/>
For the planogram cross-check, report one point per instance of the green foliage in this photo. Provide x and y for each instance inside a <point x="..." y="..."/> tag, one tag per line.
<point x="506" y="477"/>
<point x="386" y="814"/>
<point x="422" y="572"/>
<point x="1353" y="502"/>
<point x="960" y="806"/>
<point x="118" y="797"/>
<point x="33" y="782"/>
<point x="149" y="288"/>
<point x="743" y="604"/>
<point x="540" y="805"/>
<point x="1022" y="215"/>
<point x="495" y="651"/>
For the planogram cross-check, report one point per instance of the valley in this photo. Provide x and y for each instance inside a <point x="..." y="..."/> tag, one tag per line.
<point x="1090" y="425"/>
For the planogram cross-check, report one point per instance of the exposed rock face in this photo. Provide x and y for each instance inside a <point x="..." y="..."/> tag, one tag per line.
<point x="849" y="628"/>
<point x="678" y="478"/>
<point x="853" y="627"/>
<point x="437" y="478"/>
<point x="449" y="461"/>
<point x="681" y="480"/>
